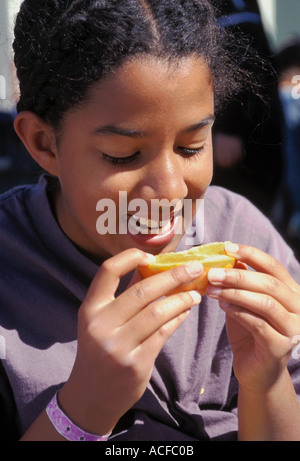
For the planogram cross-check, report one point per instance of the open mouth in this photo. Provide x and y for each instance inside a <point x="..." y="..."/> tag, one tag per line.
<point x="157" y="228"/>
<point x="142" y="225"/>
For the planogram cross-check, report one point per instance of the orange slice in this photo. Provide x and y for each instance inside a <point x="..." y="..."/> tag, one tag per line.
<point x="211" y="255"/>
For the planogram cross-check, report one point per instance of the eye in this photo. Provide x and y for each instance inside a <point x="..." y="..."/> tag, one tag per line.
<point x="120" y="160"/>
<point x="190" y="152"/>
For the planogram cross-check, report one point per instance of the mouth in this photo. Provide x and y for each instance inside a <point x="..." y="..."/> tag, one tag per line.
<point x="151" y="234"/>
<point x="155" y="228"/>
<point x="142" y="225"/>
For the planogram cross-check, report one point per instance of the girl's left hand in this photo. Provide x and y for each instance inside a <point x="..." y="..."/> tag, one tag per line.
<point x="263" y="315"/>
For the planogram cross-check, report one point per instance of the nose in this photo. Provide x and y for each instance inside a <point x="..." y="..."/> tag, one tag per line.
<point x="164" y="178"/>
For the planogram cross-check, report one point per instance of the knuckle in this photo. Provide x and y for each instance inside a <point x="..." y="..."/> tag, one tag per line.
<point x="271" y="284"/>
<point x="114" y="353"/>
<point x="292" y="327"/>
<point x="268" y="304"/>
<point x="112" y="264"/>
<point x="274" y="264"/>
<point x="139" y="291"/>
<point x="168" y="328"/>
<point x="108" y="266"/>
<point x="237" y="275"/>
<point x="232" y="295"/>
<point x="108" y="347"/>
<point x="180" y="274"/>
<point x="186" y="298"/>
<point x="82" y="315"/>
<point x="260" y="327"/>
<point x="136" y="254"/>
<point x="156" y="312"/>
<point x="295" y="339"/>
<point x="127" y="363"/>
<point x="249" y="251"/>
<point x="163" y="332"/>
<point x="93" y="330"/>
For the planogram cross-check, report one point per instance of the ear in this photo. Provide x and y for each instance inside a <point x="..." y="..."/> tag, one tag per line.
<point x="39" y="139"/>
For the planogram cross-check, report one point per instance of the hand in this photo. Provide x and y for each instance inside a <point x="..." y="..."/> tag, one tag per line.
<point x="120" y="338"/>
<point x="263" y="315"/>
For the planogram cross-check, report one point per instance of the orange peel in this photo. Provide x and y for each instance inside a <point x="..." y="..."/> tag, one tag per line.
<point x="211" y="255"/>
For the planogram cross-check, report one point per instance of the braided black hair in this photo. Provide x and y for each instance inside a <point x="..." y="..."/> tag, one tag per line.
<point x="62" y="47"/>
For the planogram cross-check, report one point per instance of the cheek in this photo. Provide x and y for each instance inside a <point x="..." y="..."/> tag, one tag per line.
<point x="93" y="198"/>
<point x="199" y="176"/>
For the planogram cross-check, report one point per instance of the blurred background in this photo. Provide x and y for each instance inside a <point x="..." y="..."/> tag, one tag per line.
<point x="256" y="140"/>
<point x="16" y="166"/>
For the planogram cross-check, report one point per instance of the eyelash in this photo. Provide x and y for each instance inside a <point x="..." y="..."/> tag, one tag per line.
<point x="191" y="154"/>
<point x="187" y="153"/>
<point x="121" y="160"/>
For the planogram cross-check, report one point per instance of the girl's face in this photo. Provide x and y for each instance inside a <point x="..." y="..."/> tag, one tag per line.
<point x="145" y="132"/>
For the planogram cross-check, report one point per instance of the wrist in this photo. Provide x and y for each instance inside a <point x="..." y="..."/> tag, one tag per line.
<point x="271" y="413"/>
<point x="66" y="427"/>
<point x="265" y="387"/>
<point x="83" y="411"/>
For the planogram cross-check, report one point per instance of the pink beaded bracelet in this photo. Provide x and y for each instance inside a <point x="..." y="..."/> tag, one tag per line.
<point x="66" y="428"/>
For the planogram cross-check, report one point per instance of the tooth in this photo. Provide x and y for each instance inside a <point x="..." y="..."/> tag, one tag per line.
<point x="145" y="225"/>
<point x="164" y="223"/>
<point x="146" y="222"/>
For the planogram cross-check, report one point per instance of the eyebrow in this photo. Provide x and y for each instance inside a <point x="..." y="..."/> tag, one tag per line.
<point x="119" y="131"/>
<point x="207" y="121"/>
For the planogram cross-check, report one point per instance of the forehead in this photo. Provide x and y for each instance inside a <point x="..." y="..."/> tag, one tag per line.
<point x="151" y="88"/>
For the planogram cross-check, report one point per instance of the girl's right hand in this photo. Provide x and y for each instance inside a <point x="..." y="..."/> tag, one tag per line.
<point x="120" y="338"/>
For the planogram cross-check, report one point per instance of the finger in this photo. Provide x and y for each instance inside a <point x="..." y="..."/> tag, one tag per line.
<point x="261" y="262"/>
<point x="135" y="278"/>
<point x="269" y="339"/>
<point x="107" y="279"/>
<point x="151" y="347"/>
<point x="264" y="307"/>
<point x="240" y="265"/>
<point x="156" y="316"/>
<point x="255" y="282"/>
<point x="140" y="340"/>
<point x="135" y="298"/>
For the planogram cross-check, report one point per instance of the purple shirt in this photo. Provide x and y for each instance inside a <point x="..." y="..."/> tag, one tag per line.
<point x="192" y="394"/>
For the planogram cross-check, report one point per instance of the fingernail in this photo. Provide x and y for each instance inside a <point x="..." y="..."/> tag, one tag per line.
<point x="214" y="292"/>
<point x="150" y="258"/>
<point x="196" y="296"/>
<point x="194" y="268"/>
<point x="231" y="248"/>
<point x="216" y="275"/>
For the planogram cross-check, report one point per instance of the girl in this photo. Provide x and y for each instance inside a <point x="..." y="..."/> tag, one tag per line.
<point x="121" y="96"/>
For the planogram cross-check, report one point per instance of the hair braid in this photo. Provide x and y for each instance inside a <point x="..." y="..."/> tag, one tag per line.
<point x="62" y="47"/>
